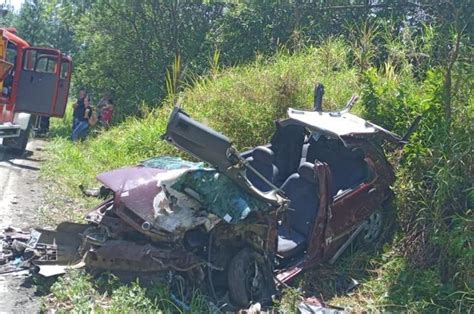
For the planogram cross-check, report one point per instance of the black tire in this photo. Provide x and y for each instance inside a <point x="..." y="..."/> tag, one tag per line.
<point x="18" y="144"/>
<point x="250" y="279"/>
<point x="379" y="228"/>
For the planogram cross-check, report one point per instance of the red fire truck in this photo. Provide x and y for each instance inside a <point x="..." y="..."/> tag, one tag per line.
<point x="33" y="82"/>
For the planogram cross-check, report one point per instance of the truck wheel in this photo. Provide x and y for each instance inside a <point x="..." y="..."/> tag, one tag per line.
<point x="18" y="144"/>
<point x="250" y="279"/>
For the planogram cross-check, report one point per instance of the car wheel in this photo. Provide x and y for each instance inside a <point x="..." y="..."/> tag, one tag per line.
<point x="250" y="279"/>
<point x="370" y="234"/>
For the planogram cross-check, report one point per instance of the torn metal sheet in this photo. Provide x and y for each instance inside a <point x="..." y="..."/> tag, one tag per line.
<point x="127" y="178"/>
<point x="130" y="256"/>
<point x="151" y="205"/>
<point x="339" y="124"/>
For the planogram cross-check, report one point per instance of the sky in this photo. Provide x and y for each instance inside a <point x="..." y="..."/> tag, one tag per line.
<point x="15" y="3"/>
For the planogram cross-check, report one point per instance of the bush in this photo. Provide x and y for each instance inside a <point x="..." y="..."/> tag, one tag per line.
<point x="432" y="189"/>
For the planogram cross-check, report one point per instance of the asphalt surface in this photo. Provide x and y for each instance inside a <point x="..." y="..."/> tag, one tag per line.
<point x="21" y="193"/>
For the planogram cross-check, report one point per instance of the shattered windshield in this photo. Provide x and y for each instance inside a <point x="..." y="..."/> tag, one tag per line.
<point x="218" y="194"/>
<point x="170" y="163"/>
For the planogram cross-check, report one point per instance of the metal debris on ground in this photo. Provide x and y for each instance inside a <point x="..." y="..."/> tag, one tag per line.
<point x="47" y="252"/>
<point x="313" y="305"/>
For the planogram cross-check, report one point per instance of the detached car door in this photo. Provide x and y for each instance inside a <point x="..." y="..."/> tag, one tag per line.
<point x="198" y="140"/>
<point x="44" y="81"/>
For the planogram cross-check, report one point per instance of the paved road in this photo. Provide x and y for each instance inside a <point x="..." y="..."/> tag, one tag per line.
<point x="21" y="193"/>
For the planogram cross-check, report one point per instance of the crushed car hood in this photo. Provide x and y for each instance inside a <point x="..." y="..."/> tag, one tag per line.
<point x="146" y="206"/>
<point x="129" y="177"/>
<point x="177" y="199"/>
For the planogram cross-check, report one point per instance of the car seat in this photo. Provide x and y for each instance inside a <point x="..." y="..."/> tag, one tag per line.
<point x="262" y="161"/>
<point x="348" y="167"/>
<point x="302" y="189"/>
<point x="286" y="144"/>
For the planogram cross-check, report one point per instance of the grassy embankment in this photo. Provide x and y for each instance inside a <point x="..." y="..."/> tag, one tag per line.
<point x="427" y="266"/>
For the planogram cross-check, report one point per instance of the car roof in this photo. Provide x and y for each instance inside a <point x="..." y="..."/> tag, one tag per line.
<point x="338" y="124"/>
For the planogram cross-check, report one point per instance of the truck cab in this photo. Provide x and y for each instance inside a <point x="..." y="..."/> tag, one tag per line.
<point x="33" y="81"/>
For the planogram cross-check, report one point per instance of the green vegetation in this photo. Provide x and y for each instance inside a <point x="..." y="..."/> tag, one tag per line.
<point x="127" y="46"/>
<point x="78" y="292"/>
<point x="402" y="59"/>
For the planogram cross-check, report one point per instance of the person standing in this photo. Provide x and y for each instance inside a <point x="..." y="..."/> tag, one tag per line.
<point x="78" y="106"/>
<point x="106" y="111"/>
<point x="85" y="118"/>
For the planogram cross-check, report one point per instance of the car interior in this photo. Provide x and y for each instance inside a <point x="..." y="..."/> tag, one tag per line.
<point x="288" y="163"/>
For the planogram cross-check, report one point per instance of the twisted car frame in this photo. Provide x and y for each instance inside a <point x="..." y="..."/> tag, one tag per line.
<point x="238" y="224"/>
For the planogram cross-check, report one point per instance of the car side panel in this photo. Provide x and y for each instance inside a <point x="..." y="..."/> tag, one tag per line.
<point x="344" y="217"/>
<point x="348" y="211"/>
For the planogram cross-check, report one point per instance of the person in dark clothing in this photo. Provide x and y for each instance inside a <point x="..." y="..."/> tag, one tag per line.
<point x="78" y="106"/>
<point x="85" y="118"/>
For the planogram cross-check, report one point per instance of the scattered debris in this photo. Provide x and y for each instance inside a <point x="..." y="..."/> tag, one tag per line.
<point x="346" y="284"/>
<point x="101" y="192"/>
<point x="38" y="250"/>
<point x="311" y="308"/>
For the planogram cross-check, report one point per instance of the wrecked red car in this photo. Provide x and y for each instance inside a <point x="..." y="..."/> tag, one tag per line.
<point x="238" y="224"/>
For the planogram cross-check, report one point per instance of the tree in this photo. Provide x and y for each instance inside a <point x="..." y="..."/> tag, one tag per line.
<point x="7" y="16"/>
<point x="31" y="24"/>
<point x="128" y="45"/>
<point x="51" y="23"/>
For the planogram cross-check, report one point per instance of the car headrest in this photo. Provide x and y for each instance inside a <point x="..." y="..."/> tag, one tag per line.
<point x="306" y="171"/>
<point x="321" y="139"/>
<point x="262" y="154"/>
